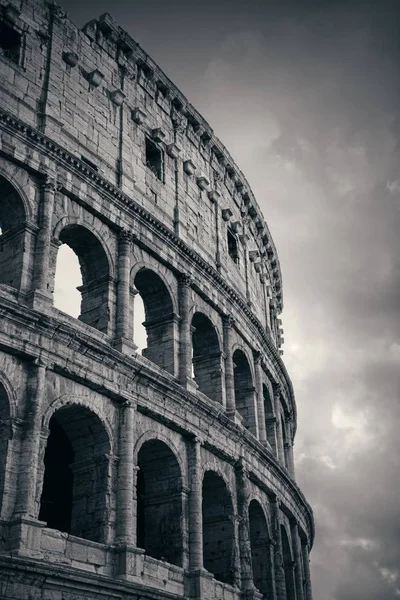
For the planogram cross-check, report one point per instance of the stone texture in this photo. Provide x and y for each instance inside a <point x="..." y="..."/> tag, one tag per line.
<point x="166" y="473"/>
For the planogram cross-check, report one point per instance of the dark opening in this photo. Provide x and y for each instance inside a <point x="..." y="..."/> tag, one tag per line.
<point x="159" y="319"/>
<point x="159" y="503"/>
<point x="269" y="418"/>
<point x="154" y="159"/>
<point x="5" y="436"/>
<point x="74" y="493"/>
<point x="244" y="391"/>
<point x="10" y="43"/>
<point x="12" y="221"/>
<point x="218" y="532"/>
<point x="260" y="549"/>
<point x="233" y="246"/>
<point x="206" y="357"/>
<point x="56" y="501"/>
<point x="288" y="565"/>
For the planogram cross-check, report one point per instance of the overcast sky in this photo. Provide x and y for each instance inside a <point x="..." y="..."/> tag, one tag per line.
<point x="305" y="95"/>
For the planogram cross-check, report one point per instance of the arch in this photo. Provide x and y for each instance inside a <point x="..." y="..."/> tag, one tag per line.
<point x="74" y="493"/>
<point x="245" y="393"/>
<point x="12" y="238"/>
<point x="160" y="319"/>
<point x="159" y="502"/>
<point x="218" y="528"/>
<point x="269" y="418"/>
<point x="5" y="437"/>
<point x="288" y="565"/>
<point x="95" y="269"/>
<point x="260" y="549"/>
<point x="206" y="357"/>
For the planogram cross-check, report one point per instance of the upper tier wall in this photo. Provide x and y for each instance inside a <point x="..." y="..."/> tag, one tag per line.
<point x="97" y="94"/>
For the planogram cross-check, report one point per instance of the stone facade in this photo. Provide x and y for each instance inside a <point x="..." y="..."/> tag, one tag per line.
<point x="167" y="474"/>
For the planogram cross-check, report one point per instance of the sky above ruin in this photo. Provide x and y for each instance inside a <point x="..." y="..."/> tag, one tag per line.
<point x="305" y="95"/>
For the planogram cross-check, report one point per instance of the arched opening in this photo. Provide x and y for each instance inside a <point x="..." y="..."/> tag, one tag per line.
<point x="288" y="565"/>
<point x="285" y="442"/>
<point x="244" y="391"/>
<point x="12" y="235"/>
<point x="260" y="549"/>
<point x="269" y="418"/>
<point x="159" y="503"/>
<point x="160" y="320"/>
<point x="218" y="531"/>
<point x="67" y="282"/>
<point x="5" y="436"/>
<point x="94" y="268"/>
<point x="75" y="474"/>
<point x="206" y="357"/>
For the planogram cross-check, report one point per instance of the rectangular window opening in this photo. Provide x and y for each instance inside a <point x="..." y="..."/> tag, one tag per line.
<point x="154" y="159"/>
<point x="233" y="246"/>
<point x="10" y="43"/>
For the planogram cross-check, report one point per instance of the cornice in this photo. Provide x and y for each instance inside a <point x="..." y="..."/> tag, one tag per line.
<point x="105" y="187"/>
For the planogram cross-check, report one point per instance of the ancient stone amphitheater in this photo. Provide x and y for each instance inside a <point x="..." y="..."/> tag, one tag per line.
<point x="124" y="475"/>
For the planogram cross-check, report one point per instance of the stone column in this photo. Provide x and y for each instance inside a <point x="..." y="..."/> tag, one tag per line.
<point x="185" y="348"/>
<point x="262" y="433"/>
<point x="272" y="582"/>
<point x="40" y="292"/>
<point x="195" y="508"/>
<point x="244" y="530"/>
<point x="279" y="433"/>
<point x="297" y="556"/>
<point x="228" y="323"/>
<point x="280" y="584"/>
<point x="123" y="339"/>
<point x="30" y="444"/>
<point x="126" y="475"/>
<point x="307" y="577"/>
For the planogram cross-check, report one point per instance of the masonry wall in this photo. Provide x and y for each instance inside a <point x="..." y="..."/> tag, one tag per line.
<point x="111" y="458"/>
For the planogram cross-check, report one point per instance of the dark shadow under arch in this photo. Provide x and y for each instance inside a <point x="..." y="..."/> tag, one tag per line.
<point x="12" y="228"/>
<point x="5" y="436"/>
<point x="74" y="495"/>
<point x="159" y="503"/>
<point x="260" y="549"/>
<point x="160" y="319"/>
<point x="206" y="357"/>
<point x="288" y="565"/>
<point x="218" y="529"/>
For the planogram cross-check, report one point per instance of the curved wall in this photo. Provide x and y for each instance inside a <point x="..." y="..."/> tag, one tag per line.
<point x="112" y="458"/>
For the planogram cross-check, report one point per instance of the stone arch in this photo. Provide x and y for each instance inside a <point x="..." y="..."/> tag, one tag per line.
<point x="151" y="434"/>
<point x="159" y="502"/>
<point x="245" y="392"/>
<point x="13" y="220"/>
<point x="260" y="548"/>
<point x="76" y="463"/>
<point x="159" y="270"/>
<point x="6" y="415"/>
<point x="160" y="318"/>
<point x="96" y="270"/>
<point x="207" y="357"/>
<point x="218" y="527"/>
<point x="288" y="564"/>
<point x="270" y="421"/>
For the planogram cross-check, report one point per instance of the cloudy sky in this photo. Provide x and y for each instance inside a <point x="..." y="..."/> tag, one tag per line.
<point x="306" y="96"/>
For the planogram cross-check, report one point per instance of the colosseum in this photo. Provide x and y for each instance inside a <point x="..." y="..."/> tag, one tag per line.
<point x="129" y="474"/>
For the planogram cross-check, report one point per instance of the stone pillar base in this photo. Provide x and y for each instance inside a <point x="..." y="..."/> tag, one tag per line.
<point x="199" y="584"/>
<point x="125" y="346"/>
<point x="40" y="300"/>
<point x="128" y="562"/>
<point x="25" y="536"/>
<point x="234" y="416"/>
<point x="189" y="384"/>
